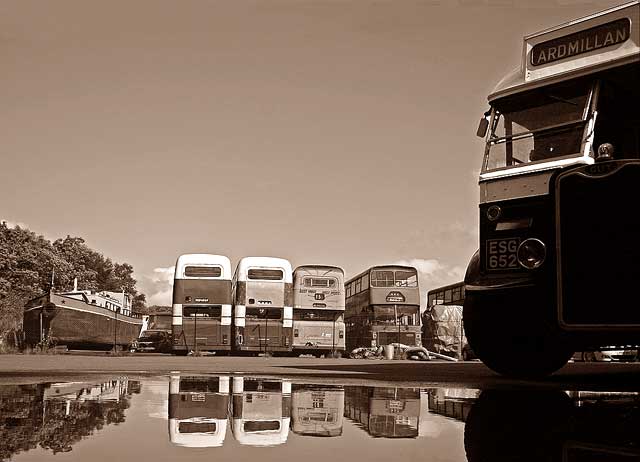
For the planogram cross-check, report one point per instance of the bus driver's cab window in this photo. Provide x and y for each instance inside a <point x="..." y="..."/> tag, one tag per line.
<point x="618" y="119"/>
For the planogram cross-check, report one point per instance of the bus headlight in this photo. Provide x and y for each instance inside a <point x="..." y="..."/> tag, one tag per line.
<point x="494" y="212"/>
<point x="295" y="332"/>
<point x="531" y="253"/>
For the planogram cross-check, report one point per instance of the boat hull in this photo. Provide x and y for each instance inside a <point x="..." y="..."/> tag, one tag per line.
<point x="76" y="324"/>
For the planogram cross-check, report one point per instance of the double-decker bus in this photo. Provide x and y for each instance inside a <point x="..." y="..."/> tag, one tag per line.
<point x="198" y="410"/>
<point x="559" y="194"/>
<point x="317" y="410"/>
<point x="442" y="329"/>
<point x="201" y="317"/>
<point x="318" y="310"/>
<point x="261" y="411"/>
<point x="263" y="305"/>
<point x="385" y="412"/>
<point x="383" y="307"/>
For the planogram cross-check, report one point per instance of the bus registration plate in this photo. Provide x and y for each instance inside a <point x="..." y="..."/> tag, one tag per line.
<point x="502" y="253"/>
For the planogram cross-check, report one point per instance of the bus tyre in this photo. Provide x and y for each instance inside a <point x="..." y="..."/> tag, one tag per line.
<point x="523" y="347"/>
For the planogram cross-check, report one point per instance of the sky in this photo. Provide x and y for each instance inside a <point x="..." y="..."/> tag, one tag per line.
<point x="331" y="132"/>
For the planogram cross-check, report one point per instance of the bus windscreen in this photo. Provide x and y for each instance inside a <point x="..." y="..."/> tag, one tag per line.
<point x="320" y="282"/>
<point x="316" y="315"/>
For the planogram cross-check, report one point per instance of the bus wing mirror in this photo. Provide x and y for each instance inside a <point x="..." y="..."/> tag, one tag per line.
<point x="483" y="126"/>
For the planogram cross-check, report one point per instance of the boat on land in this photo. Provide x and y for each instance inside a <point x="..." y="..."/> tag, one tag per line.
<point x="81" y="319"/>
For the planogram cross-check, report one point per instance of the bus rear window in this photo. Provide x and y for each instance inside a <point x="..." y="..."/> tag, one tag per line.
<point x="263" y="313"/>
<point x="209" y="312"/>
<point x="203" y="271"/>
<point x="261" y="425"/>
<point x="197" y="427"/>
<point x="265" y="274"/>
<point x="320" y="282"/>
<point x="316" y="315"/>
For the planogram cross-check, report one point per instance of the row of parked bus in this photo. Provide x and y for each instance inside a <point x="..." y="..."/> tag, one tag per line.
<point x="266" y="306"/>
<point x="262" y="411"/>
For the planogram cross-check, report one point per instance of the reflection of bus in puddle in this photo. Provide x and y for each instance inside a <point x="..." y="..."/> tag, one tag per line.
<point x="384" y="412"/>
<point x="452" y="402"/>
<point x="317" y="410"/>
<point x="198" y="410"/>
<point x="261" y="409"/>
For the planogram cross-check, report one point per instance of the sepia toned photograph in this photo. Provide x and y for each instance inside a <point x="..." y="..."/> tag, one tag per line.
<point x="320" y="229"/>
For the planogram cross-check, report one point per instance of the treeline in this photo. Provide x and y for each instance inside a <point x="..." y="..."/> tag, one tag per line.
<point x="29" y="263"/>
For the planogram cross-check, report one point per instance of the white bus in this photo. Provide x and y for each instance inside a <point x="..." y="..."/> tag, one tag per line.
<point x="261" y="411"/>
<point x="201" y="318"/>
<point x="263" y="311"/>
<point x="318" y="310"/>
<point x="317" y="410"/>
<point x="198" y="410"/>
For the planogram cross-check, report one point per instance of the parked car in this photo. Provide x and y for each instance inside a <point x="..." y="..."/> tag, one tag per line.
<point x="153" y="341"/>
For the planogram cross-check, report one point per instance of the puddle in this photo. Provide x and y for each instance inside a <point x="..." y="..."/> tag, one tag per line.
<point x="200" y="417"/>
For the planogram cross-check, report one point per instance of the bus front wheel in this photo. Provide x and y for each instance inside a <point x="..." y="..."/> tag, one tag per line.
<point x="510" y="342"/>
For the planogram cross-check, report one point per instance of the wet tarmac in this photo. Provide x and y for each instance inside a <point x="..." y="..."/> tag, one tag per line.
<point x="226" y="416"/>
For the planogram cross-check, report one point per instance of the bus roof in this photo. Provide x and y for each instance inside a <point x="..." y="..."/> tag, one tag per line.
<point x="264" y="262"/>
<point x="203" y="259"/>
<point x="328" y="268"/>
<point x="450" y="286"/>
<point x="382" y="267"/>
<point x="583" y="46"/>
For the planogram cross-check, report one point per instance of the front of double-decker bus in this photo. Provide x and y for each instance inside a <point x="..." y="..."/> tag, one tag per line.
<point x="317" y="410"/>
<point x="263" y="309"/>
<point x="198" y="410"/>
<point x="559" y="248"/>
<point x="395" y="300"/>
<point x="201" y="318"/>
<point x="261" y="410"/>
<point x="318" y="310"/>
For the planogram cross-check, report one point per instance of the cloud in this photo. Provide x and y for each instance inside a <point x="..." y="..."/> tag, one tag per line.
<point x="158" y="286"/>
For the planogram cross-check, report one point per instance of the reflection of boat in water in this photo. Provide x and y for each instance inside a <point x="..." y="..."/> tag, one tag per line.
<point x="57" y="416"/>
<point x="81" y="319"/>
<point x="198" y="410"/>
<point x="110" y="390"/>
<point x="554" y="426"/>
<point x="261" y="411"/>
<point x="384" y="412"/>
<point x="317" y="410"/>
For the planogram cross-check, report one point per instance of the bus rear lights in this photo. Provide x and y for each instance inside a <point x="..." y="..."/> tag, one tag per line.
<point x="494" y="212"/>
<point x="187" y="299"/>
<point x="605" y="152"/>
<point x="341" y="334"/>
<point x="286" y="341"/>
<point x="225" y="340"/>
<point x="295" y="332"/>
<point x="531" y="253"/>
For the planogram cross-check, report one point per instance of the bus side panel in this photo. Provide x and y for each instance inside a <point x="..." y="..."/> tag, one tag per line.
<point x="209" y="335"/>
<point x="318" y="335"/>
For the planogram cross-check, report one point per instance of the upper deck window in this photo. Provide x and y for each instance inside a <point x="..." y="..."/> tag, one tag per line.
<point x="265" y="274"/>
<point x="538" y="125"/>
<point x="319" y="282"/>
<point x="203" y="271"/>
<point x="399" y="278"/>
